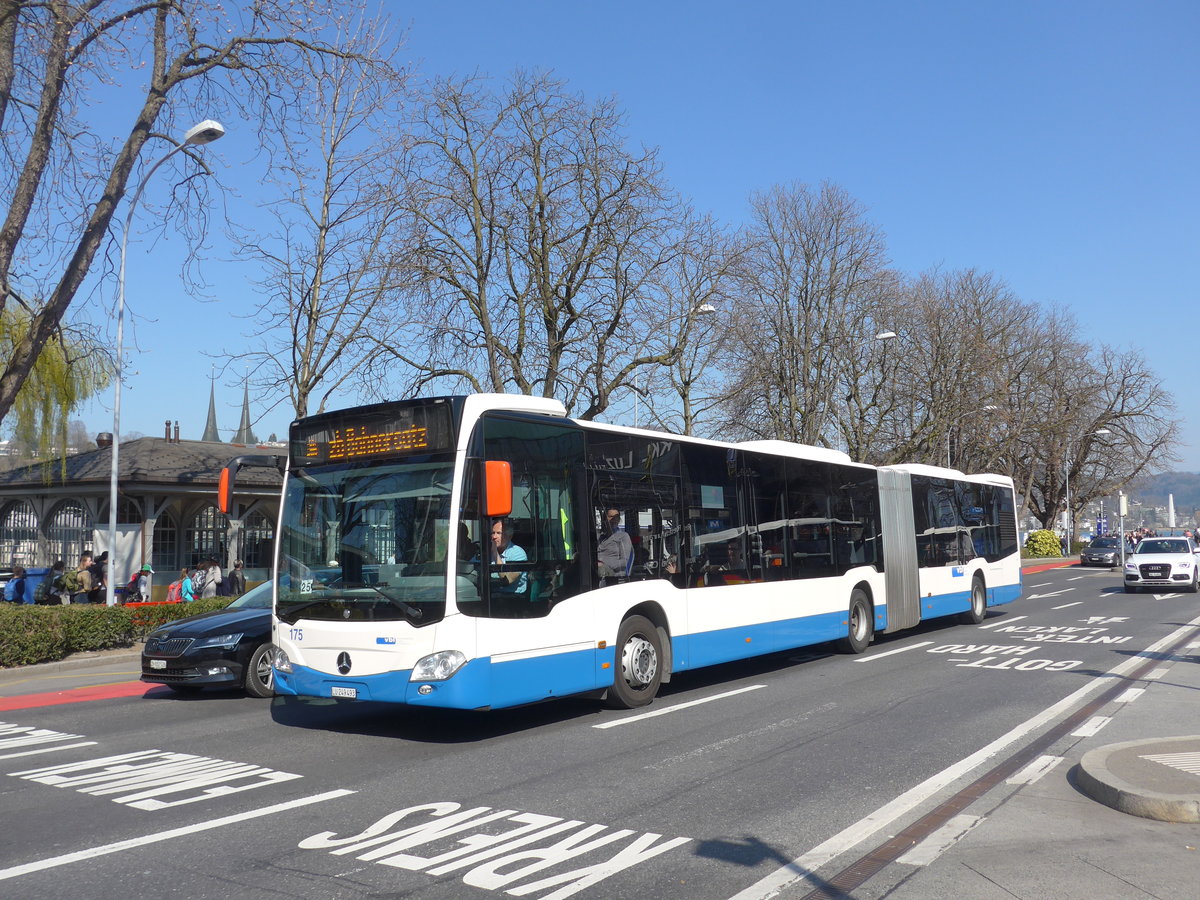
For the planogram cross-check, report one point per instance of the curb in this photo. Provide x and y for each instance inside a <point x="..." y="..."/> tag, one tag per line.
<point x="1096" y="779"/>
<point x="76" y="661"/>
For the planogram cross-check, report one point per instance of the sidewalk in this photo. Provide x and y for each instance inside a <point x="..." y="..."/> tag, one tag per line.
<point x="1116" y="816"/>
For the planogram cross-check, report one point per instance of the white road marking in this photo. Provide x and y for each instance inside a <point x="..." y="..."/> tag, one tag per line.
<point x="802" y="867"/>
<point x="1078" y="577"/>
<point x="1184" y="762"/>
<point x="1092" y="726"/>
<point x="1193" y="646"/>
<point x="893" y="652"/>
<point x="1130" y="695"/>
<point x="677" y="707"/>
<point x="133" y="843"/>
<point x="1157" y="673"/>
<point x="48" y="750"/>
<point x="940" y="841"/>
<point x="1049" y="594"/>
<point x="1042" y="584"/>
<point x="1066" y="605"/>
<point x="1007" y="620"/>
<point x="1034" y="770"/>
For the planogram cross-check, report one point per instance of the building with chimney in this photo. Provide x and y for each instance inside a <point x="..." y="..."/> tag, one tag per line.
<point x="167" y="512"/>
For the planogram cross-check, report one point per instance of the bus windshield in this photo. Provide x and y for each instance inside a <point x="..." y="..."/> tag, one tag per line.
<point x="366" y="542"/>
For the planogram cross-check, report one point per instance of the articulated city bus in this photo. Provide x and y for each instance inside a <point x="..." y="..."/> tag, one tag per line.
<point x="487" y="551"/>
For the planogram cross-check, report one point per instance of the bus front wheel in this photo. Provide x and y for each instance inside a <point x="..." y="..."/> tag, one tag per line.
<point x="860" y="626"/>
<point x="638" y="665"/>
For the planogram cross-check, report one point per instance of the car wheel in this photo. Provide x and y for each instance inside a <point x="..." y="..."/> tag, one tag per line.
<point x="260" y="677"/>
<point x="1195" y="585"/>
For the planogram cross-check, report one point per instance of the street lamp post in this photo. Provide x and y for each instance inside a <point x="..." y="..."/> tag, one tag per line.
<point x="704" y="309"/>
<point x="1070" y="525"/>
<point x="203" y="133"/>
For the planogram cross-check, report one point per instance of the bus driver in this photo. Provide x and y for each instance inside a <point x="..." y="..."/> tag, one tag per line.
<point x="505" y="581"/>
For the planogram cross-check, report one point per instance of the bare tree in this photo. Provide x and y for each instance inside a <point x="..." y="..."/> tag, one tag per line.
<point x="62" y="177"/>
<point x="699" y="286"/>
<point x="332" y="265"/>
<point x="1115" y="423"/>
<point x="537" y="236"/>
<point x="811" y="264"/>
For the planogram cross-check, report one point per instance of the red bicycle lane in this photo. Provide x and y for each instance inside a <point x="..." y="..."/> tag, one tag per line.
<point x="82" y="695"/>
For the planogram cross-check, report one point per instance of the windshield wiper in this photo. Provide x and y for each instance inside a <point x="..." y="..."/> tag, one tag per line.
<point x="411" y="611"/>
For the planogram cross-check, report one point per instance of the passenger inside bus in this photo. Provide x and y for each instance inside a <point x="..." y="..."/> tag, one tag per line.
<point x="614" y="553"/>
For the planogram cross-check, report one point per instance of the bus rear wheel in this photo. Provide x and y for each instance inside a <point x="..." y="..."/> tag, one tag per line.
<point x="978" y="610"/>
<point x="638" y="666"/>
<point x="860" y="626"/>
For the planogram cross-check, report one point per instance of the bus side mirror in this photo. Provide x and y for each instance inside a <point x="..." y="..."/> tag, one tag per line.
<point x="225" y="489"/>
<point x="497" y="488"/>
<point x="229" y="473"/>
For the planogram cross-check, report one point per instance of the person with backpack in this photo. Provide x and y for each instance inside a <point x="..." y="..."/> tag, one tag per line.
<point x="49" y="591"/>
<point x="137" y="590"/>
<point x="143" y="583"/>
<point x="14" y="590"/>
<point x="187" y="587"/>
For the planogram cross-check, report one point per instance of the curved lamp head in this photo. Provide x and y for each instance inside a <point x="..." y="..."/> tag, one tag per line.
<point x="204" y="133"/>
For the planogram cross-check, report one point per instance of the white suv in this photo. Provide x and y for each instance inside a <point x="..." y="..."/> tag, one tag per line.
<point x="1162" y="564"/>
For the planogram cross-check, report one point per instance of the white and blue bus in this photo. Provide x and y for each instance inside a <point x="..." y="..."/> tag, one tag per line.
<point x="388" y="587"/>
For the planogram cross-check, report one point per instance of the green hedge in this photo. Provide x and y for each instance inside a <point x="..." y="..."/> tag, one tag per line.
<point x="35" y="634"/>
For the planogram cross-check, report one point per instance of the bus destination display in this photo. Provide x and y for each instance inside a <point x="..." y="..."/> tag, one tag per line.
<point x="398" y="433"/>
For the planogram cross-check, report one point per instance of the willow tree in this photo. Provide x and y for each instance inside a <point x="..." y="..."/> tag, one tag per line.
<point x="68" y="371"/>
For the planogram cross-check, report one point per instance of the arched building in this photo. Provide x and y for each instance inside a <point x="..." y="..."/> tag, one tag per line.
<point x="167" y="508"/>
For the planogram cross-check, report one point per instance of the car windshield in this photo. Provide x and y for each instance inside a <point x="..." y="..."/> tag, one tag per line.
<point x="366" y="541"/>
<point x="258" y="597"/>
<point x="1105" y="544"/>
<point x="1162" y="546"/>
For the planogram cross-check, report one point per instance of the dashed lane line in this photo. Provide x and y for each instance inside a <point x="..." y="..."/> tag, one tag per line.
<point x="678" y="706"/>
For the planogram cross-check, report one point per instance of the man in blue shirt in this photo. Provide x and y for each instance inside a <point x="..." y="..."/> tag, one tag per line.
<point x="503" y="579"/>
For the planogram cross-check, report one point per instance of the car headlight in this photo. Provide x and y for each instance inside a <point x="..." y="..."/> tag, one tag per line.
<point x="1185" y="564"/>
<point x="438" y="666"/>
<point x="281" y="662"/>
<point x="227" y="641"/>
<point x="1131" y="566"/>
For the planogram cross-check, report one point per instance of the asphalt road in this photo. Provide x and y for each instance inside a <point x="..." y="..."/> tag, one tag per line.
<point x="736" y="780"/>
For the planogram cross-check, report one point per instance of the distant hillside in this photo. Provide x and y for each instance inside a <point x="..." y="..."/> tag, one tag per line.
<point x="1154" y="489"/>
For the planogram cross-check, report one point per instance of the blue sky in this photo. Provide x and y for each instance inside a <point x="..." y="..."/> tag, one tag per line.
<point x="1054" y="144"/>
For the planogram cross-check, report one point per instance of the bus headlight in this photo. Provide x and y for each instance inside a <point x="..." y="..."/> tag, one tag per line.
<point x="438" y="666"/>
<point x="281" y="662"/>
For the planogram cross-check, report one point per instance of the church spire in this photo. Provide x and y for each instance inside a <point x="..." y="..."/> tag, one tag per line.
<point x="245" y="434"/>
<point x="210" y="430"/>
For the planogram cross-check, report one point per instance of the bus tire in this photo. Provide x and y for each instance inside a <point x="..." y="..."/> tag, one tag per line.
<point x="860" y="624"/>
<point x="638" y="666"/>
<point x="978" y="610"/>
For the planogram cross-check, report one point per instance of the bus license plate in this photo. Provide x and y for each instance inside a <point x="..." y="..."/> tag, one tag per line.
<point x="158" y="663"/>
<point x="350" y="692"/>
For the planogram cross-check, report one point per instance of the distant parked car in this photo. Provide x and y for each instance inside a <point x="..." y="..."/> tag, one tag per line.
<point x="1103" y="551"/>
<point x="228" y="647"/>
<point x="1162" y="564"/>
